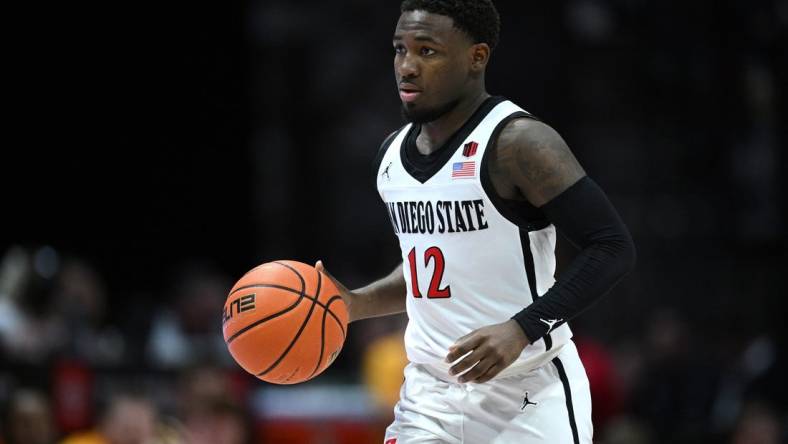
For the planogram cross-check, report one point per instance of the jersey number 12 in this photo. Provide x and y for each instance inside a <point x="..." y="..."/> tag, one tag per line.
<point x="435" y="254"/>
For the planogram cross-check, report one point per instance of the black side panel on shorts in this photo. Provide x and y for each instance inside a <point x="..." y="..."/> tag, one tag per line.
<point x="568" y="396"/>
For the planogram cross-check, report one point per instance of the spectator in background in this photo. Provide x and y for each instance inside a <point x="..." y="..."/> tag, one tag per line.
<point x="606" y="390"/>
<point x="217" y="421"/>
<point x="628" y="430"/>
<point x="675" y="393"/>
<point x="28" y="331"/>
<point x="199" y="386"/>
<point x="79" y="303"/>
<point x="29" y="419"/>
<point x="382" y="365"/>
<point x="52" y="306"/>
<point x="758" y="424"/>
<point x="129" y="419"/>
<point x="210" y="408"/>
<point x="189" y="330"/>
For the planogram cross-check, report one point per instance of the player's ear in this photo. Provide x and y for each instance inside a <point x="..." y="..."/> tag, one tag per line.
<point x="480" y="55"/>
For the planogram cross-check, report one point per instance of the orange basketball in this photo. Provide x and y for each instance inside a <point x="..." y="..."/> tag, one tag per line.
<point x="284" y="322"/>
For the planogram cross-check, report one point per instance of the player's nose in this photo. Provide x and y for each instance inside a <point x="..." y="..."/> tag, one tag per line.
<point x="407" y="67"/>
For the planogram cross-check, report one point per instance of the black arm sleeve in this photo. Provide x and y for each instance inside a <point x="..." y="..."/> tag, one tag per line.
<point x="587" y="218"/>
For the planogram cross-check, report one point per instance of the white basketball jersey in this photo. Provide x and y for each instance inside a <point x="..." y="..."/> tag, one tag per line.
<point x="466" y="265"/>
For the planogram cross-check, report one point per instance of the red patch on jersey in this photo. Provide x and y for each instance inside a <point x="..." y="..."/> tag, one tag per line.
<point x="469" y="150"/>
<point x="391" y="441"/>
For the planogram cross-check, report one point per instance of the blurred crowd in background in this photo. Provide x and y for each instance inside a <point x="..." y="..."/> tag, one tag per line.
<point x="232" y="135"/>
<point x="75" y="373"/>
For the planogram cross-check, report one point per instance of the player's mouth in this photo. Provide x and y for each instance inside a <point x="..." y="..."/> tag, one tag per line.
<point x="408" y="92"/>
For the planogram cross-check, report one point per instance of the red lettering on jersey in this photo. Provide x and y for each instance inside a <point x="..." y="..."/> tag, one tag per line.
<point x="432" y="254"/>
<point x="437" y="276"/>
<point x="391" y="441"/>
<point x="414" y="279"/>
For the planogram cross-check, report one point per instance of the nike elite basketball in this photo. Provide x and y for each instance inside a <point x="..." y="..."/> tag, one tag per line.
<point x="284" y="322"/>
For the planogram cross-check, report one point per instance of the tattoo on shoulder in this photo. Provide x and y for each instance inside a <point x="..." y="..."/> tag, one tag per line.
<point x="542" y="165"/>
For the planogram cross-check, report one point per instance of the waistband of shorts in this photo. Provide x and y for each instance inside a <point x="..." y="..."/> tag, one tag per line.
<point x="441" y="370"/>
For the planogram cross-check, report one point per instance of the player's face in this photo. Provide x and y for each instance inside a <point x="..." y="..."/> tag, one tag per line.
<point x="431" y="64"/>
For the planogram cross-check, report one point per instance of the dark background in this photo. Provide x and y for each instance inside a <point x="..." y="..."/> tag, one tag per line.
<point x="150" y="137"/>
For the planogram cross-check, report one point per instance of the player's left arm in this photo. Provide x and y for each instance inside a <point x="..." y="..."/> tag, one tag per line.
<point x="532" y="161"/>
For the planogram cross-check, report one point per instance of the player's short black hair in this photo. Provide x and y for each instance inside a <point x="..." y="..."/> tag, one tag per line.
<point x="478" y="18"/>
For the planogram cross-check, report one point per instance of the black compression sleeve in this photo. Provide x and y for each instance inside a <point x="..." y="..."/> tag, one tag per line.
<point x="587" y="218"/>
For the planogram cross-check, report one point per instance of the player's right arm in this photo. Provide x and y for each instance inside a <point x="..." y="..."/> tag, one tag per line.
<point x="383" y="297"/>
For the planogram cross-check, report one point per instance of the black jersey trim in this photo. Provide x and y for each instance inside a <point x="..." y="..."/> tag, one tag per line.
<point x="423" y="168"/>
<point x="568" y="395"/>
<point x="530" y="273"/>
<point x="518" y="216"/>
<point x="381" y="153"/>
<point x="528" y="257"/>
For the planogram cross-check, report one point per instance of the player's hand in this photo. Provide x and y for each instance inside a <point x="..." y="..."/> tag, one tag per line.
<point x="347" y="296"/>
<point x="490" y="349"/>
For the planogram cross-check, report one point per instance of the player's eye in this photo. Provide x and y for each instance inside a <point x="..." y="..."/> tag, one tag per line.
<point x="399" y="49"/>
<point x="425" y="51"/>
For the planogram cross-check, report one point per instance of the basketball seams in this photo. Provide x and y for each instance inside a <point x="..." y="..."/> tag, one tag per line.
<point x="300" y="278"/>
<point x="243" y="330"/>
<point x="326" y="311"/>
<point x="302" y="295"/>
<point x="249" y="273"/>
<point x="252" y="271"/>
<point x="322" y="330"/>
<point x="284" y="357"/>
<point x="303" y="324"/>
<point x="339" y="323"/>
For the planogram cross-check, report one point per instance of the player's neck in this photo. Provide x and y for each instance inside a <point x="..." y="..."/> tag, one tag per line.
<point x="434" y="134"/>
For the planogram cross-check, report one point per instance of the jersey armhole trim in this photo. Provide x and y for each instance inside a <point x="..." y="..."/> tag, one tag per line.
<point x="489" y="188"/>
<point x="382" y="152"/>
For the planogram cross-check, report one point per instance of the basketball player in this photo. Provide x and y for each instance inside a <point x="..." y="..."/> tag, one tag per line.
<point x="475" y="188"/>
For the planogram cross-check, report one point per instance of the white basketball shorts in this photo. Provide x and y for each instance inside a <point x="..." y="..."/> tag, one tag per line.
<point x="549" y="404"/>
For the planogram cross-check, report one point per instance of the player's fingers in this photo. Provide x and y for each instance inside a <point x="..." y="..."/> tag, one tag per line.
<point x="479" y="369"/>
<point x="466" y="362"/>
<point x="465" y="336"/>
<point x="489" y="374"/>
<point x="321" y="268"/>
<point x="347" y="296"/>
<point x="462" y="347"/>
